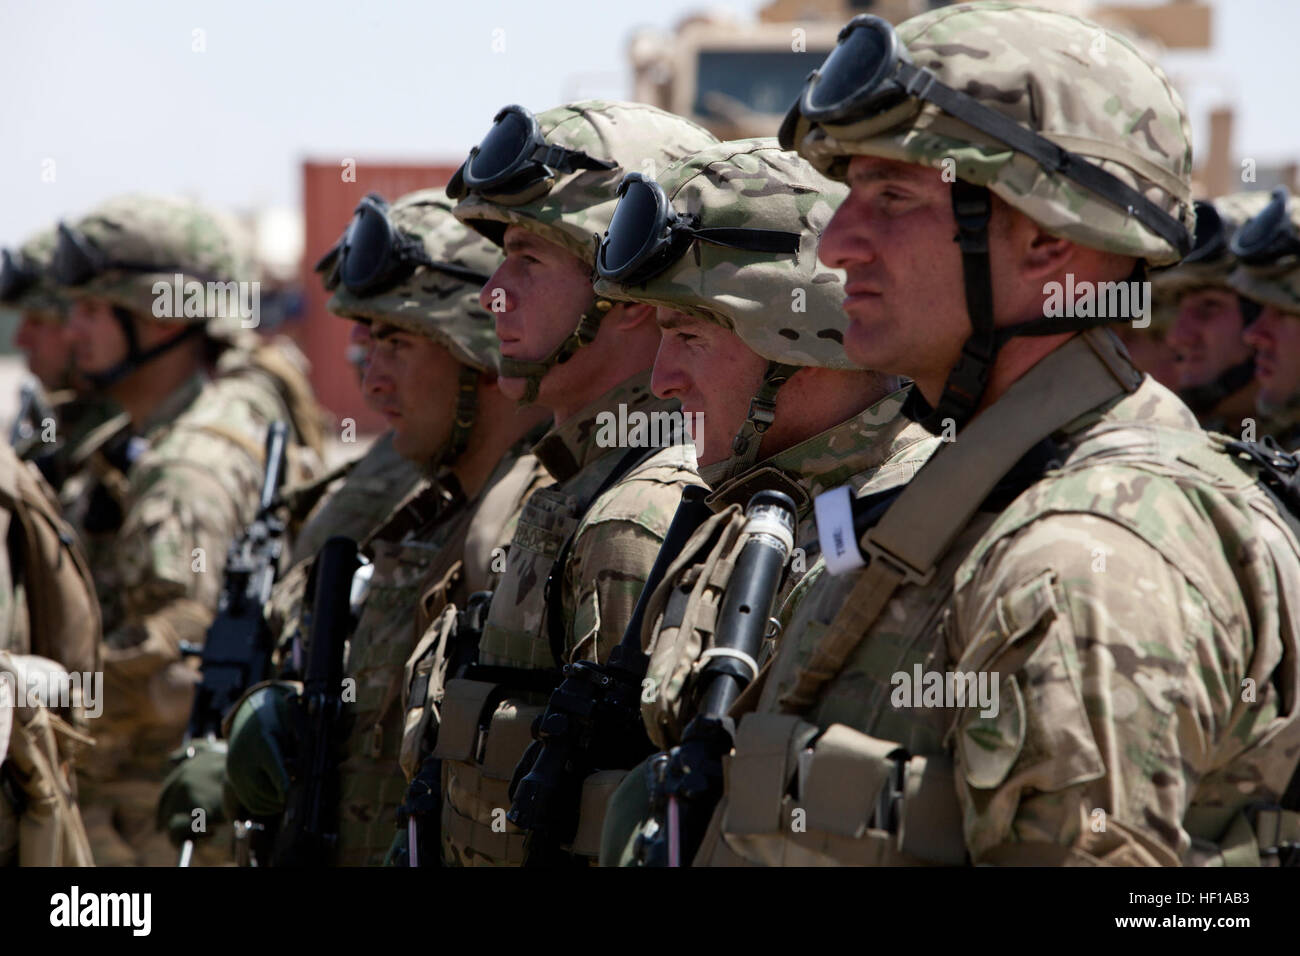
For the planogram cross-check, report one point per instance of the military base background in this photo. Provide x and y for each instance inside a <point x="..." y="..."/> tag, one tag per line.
<point x="871" y="440"/>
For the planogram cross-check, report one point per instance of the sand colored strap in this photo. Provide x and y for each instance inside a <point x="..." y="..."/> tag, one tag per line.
<point x="907" y="543"/>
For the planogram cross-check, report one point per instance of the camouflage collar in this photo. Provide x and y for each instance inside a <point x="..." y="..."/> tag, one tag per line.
<point x="842" y="455"/>
<point x="172" y="407"/>
<point x="591" y="434"/>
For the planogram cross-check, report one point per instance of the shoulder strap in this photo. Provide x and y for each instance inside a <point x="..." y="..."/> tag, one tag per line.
<point x="499" y="503"/>
<point x="917" y="530"/>
<point x="418" y="511"/>
<point x="554" y="581"/>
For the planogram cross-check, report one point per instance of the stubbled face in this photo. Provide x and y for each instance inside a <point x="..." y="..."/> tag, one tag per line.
<point x="1275" y="337"/>
<point x="893" y="236"/>
<point x="44" y="341"/>
<point x="412" y="381"/>
<point x="535" y="296"/>
<point x="711" y="371"/>
<point x="1151" y="353"/>
<point x="1207" y="336"/>
<point x="98" y="342"/>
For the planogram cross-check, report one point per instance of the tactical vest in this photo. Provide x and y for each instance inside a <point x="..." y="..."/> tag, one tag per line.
<point x="803" y="792"/>
<point x="487" y="723"/>
<point x="370" y="786"/>
<point x="62" y="614"/>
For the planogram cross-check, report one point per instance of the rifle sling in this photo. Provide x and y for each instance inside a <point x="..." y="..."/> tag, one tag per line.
<point x="917" y="530"/>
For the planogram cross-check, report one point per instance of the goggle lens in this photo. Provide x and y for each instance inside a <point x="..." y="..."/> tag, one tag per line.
<point x="856" y="64"/>
<point x="501" y="148"/>
<point x="631" y="230"/>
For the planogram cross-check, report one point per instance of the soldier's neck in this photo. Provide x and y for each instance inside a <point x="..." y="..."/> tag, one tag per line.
<point x="141" y="392"/>
<point x="498" y="425"/>
<point x="816" y="399"/>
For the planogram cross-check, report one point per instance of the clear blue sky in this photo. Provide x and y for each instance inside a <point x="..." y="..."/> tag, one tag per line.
<point x="116" y="96"/>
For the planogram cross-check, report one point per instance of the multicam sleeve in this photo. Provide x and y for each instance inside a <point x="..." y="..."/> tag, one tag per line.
<point x="613" y="553"/>
<point x="172" y="548"/>
<point x="1118" y="690"/>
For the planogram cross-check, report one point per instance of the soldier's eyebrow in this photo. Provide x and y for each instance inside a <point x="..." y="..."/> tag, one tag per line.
<point x="521" y="242"/>
<point x="384" y="331"/>
<point x="891" y="172"/>
<point x="675" y="320"/>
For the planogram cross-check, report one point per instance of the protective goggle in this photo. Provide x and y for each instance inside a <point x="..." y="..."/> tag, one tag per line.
<point x="515" y="162"/>
<point x="373" y="254"/>
<point x="16" y="275"/>
<point x="1210" y="240"/>
<point x="646" y="235"/>
<point x="1269" y="235"/>
<point x="870" y="72"/>
<point x="77" y="260"/>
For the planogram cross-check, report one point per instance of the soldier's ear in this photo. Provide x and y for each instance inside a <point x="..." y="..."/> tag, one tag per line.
<point x="631" y="315"/>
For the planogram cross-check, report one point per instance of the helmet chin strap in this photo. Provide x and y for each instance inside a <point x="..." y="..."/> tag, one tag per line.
<point x="1202" y="399"/>
<point x="969" y="378"/>
<point x="463" y="421"/>
<point x="762" y="413"/>
<point x="135" y="357"/>
<point x="584" y="334"/>
<point x="966" y="382"/>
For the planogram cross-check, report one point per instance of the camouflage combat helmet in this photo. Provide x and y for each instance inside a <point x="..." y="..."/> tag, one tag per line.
<point x="25" y="282"/>
<point x="157" y="257"/>
<point x="435" y="269"/>
<point x="121" y="249"/>
<point x="583" y="151"/>
<point x="429" y="301"/>
<point x="1268" y="270"/>
<point x="1211" y="261"/>
<point x="785" y="306"/>
<point x="1062" y="119"/>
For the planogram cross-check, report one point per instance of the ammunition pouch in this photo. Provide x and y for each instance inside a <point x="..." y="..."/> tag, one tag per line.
<point x="795" y="798"/>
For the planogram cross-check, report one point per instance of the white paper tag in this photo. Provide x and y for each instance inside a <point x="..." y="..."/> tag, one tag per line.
<point x="834" y="510"/>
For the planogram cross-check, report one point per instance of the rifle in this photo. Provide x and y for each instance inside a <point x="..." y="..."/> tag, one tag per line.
<point x="236" y="652"/>
<point x="593" y="719"/>
<point x="32" y="410"/>
<point x="309" y="829"/>
<point x="686" y="782"/>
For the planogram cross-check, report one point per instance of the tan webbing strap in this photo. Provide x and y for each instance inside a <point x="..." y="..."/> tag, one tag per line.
<point x="501" y="500"/>
<point x="921" y="525"/>
<point x="255" y="450"/>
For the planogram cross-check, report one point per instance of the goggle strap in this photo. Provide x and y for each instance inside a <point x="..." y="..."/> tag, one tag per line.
<point x="566" y="160"/>
<point x="752" y="240"/>
<point x="1044" y="152"/>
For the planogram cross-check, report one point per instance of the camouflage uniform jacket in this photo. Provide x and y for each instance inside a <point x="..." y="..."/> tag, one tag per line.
<point x="372" y="488"/>
<point x="405" y="553"/>
<point x="1119" y="606"/>
<point x="615" y="539"/>
<point x="78" y="434"/>
<point x="1283" y="425"/>
<point x="191" y="490"/>
<point x="876" y="449"/>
